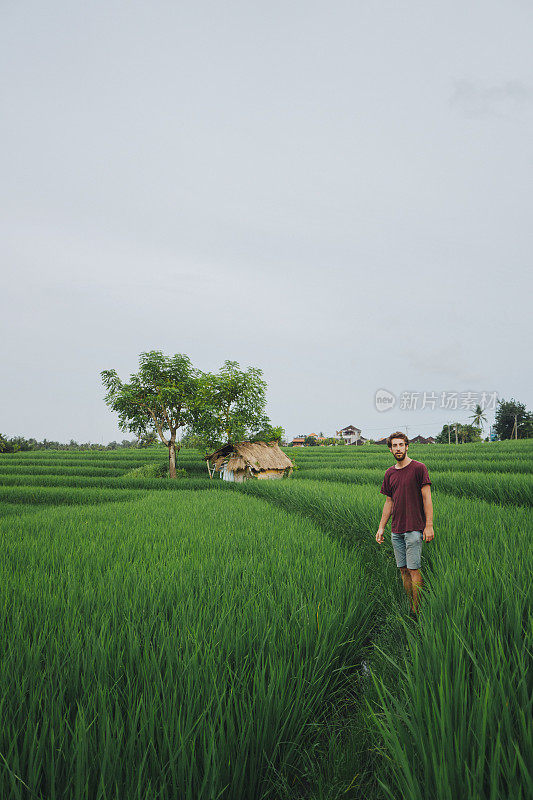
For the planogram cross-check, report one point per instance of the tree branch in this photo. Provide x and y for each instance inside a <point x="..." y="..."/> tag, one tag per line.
<point x="157" y="425"/>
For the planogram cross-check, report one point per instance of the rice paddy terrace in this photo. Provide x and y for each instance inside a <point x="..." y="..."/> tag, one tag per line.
<point x="195" y="639"/>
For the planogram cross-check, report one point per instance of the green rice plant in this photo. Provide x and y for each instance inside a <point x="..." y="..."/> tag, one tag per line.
<point x="177" y="646"/>
<point x="71" y="464"/>
<point x="522" y="449"/>
<point x="75" y="483"/>
<point x="494" y="487"/>
<point x="14" y="510"/>
<point x="126" y="455"/>
<point x="160" y="470"/>
<point x="120" y="467"/>
<point x="437" y="465"/>
<point x="62" y="495"/>
<point x="470" y="534"/>
<point x="335" y="508"/>
<point x="95" y="468"/>
<point x="456" y="720"/>
<point x="37" y="470"/>
<point x="436" y="454"/>
<point x="451" y="716"/>
<point x="79" y="460"/>
<point x="155" y="470"/>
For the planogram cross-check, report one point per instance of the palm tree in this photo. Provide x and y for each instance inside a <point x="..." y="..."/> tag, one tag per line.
<point x="478" y="417"/>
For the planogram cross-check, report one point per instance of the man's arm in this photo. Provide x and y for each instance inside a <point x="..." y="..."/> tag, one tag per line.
<point x="387" y="511"/>
<point x="428" y="534"/>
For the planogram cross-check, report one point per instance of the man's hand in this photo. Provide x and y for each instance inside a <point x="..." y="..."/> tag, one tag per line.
<point x="379" y="535"/>
<point x="428" y="534"/>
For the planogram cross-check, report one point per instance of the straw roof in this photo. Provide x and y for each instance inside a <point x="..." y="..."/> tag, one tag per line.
<point x="256" y="455"/>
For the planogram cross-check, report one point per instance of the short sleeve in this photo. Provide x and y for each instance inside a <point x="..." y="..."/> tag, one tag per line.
<point x="423" y="476"/>
<point x="385" y="486"/>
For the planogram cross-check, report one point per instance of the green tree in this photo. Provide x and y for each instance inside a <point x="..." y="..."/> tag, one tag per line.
<point x="230" y="406"/>
<point x="310" y="441"/>
<point x="478" y="417"/>
<point x="470" y="433"/>
<point x="504" y="423"/>
<point x="269" y="434"/>
<point x="442" y="437"/>
<point x="465" y="434"/>
<point x="147" y="439"/>
<point x="159" y="398"/>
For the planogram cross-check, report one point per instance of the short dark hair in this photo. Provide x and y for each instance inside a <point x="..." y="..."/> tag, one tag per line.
<point x="397" y="435"/>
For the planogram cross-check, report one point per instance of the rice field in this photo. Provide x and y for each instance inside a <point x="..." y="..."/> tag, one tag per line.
<point x="197" y="639"/>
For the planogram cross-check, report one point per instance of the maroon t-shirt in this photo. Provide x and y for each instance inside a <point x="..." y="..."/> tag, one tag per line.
<point x="403" y="486"/>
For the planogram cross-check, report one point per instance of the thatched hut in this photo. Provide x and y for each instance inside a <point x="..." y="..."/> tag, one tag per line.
<point x="242" y="460"/>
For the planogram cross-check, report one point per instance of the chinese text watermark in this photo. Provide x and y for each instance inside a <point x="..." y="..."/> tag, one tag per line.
<point x="384" y="400"/>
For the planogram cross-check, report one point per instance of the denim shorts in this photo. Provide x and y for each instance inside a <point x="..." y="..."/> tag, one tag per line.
<point x="408" y="549"/>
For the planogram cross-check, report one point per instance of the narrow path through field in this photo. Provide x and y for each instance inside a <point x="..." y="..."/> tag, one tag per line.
<point x="343" y="740"/>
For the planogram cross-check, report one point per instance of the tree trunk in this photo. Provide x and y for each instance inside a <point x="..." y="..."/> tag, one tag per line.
<point x="172" y="459"/>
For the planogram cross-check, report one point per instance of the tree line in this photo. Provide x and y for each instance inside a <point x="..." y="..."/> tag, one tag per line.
<point x="18" y="444"/>
<point x="168" y="395"/>
<point x="511" y="421"/>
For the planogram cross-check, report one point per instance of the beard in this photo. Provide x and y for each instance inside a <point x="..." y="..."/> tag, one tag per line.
<point x="399" y="456"/>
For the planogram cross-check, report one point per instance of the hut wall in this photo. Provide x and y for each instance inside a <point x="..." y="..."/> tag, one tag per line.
<point x="270" y="473"/>
<point x="240" y="475"/>
<point x="233" y="476"/>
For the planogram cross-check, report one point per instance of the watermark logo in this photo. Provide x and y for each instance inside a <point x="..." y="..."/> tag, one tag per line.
<point x="418" y="401"/>
<point x="384" y="400"/>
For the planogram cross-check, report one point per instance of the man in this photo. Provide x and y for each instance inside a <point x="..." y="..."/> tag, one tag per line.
<point x="407" y="486"/>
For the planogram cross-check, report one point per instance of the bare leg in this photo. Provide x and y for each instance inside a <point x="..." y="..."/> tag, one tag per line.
<point x="407" y="585"/>
<point x="416" y="584"/>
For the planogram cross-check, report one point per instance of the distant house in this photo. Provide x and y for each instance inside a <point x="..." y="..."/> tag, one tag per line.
<point x="415" y="440"/>
<point x="298" y="441"/>
<point x="350" y="434"/>
<point x="242" y="460"/>
<point x="318" y="439"/>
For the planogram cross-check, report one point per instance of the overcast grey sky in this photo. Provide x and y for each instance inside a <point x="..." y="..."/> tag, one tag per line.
<point x="336" y="192"/>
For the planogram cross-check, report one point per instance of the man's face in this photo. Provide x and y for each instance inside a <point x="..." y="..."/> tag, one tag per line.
<point x="398" y="449"/>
